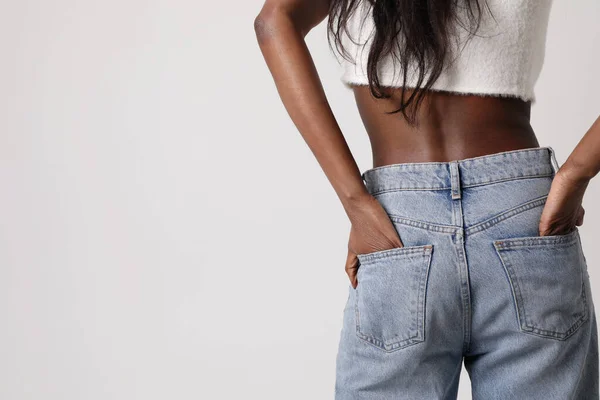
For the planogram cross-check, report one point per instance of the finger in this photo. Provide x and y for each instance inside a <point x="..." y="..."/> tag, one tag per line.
<point x="352" y="268"/>
<point x="543" y="228"/>
<point x="543" y="225"/>
<point x="395" y="241"/>
<point x="399" y="243"/>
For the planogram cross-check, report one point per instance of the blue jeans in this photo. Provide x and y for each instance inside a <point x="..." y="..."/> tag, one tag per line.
<point x="474" y="282"/>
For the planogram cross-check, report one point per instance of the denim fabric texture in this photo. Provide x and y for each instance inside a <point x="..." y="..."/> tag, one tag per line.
<point x="473" y="284"/>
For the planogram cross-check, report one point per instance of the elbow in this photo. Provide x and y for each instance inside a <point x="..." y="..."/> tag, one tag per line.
<point x="274" y="21"/>
<point x="262" y="28"/>
<point x="265" y="24"/>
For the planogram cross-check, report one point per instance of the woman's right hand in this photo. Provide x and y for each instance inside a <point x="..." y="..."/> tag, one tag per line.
<point x="371" y="230"/>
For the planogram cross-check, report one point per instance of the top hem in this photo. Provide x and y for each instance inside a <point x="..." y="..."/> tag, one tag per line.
<point x="464" y="90"/>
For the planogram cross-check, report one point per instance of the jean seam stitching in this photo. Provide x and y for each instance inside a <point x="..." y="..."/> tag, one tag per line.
<point x="567" y="240"/>
<point x="514" y="178"/>
<point x="466" y="184"/>
<point x="524" y="326"/>
<point x="397" y="252"/>
<point x="424" y="225"/>
<point x="375" y="192"/>
<point x="503" y="216"/>
<point x="419" y="336"/>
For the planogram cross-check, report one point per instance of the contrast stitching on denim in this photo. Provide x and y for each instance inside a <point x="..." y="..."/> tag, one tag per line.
<point x="558" y="335"/>
<point x="377" y="189"/>
<point x="465" y="290"/>
<point x="561" y="335"/>
<point x="422" y="295"/>
<point x="488" y="223"/>
<point x="396" y="252"/>
<point x="462" y="162"/>
<point x="567" y="240"/>
<point x="356" y="312"/>
<point x="510" y="276"/>
<point x="411" y="166"/>
<point x="440" y="169"/>
<point x="385" y="189"/>
<point x="564" y="335"/>
<point x="515" y="287"/>
<point x="475" y="183"/>
<point x="389" y="346"/>
<point x="424" y="225"/>
<point x="524" y="325"/>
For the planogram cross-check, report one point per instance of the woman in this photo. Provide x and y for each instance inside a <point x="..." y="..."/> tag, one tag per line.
<point x="464" y="242"/>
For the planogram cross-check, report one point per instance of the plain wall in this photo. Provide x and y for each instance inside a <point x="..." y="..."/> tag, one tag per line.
<point x="165" y="232"/>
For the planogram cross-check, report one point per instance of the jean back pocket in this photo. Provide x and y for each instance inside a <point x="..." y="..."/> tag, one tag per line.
<point x="390" y="296"/>
<point x="547" y="276"/>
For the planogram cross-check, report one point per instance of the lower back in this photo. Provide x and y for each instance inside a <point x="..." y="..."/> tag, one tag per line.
<point x="451" y="127"/>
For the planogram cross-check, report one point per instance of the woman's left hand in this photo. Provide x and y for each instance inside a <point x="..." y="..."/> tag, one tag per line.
<point x="563" y="210"/>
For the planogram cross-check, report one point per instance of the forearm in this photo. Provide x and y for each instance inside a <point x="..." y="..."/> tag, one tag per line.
<point x="584" y="162"/>
<point x="290" y="63"/>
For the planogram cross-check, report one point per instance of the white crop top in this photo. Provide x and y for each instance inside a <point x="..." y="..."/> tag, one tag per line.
<point x="503" y="58"/>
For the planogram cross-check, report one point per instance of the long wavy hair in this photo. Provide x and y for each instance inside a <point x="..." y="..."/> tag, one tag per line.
<point x="426" y="29"/>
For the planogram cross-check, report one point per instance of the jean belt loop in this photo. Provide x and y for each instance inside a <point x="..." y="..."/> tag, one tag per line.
<point x="455" y="180"/>
<point x="555" y="165"/>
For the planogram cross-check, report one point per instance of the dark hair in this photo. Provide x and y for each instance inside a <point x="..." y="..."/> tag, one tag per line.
<point x="426" y="27"/>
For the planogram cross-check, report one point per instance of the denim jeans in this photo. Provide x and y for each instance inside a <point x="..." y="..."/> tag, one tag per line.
<point x="474" y="283"/>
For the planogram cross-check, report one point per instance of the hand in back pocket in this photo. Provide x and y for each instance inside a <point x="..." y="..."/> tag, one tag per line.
<point x="371" y="231"/>
<point x="563" y="210"/>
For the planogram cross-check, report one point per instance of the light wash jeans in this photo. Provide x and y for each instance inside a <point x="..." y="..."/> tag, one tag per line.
<point x="474" y="282"/>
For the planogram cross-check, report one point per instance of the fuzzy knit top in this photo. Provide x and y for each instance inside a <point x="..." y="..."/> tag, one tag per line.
<point x="503" y="58"/>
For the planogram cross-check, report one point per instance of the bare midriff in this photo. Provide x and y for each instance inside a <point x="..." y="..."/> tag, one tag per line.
<point x="451" y="127"/>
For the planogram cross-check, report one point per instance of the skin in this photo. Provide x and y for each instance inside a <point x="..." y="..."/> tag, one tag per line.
<point x="452" y="127"/>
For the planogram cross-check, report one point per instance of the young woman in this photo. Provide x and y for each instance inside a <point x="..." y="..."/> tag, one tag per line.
<point x="464" y="243"/>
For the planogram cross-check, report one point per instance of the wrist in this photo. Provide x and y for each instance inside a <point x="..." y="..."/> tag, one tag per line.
<point x="354" y="201"/>
<point x="576" y="172"/>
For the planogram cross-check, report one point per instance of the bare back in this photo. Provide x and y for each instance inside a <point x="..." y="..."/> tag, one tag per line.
<point x="451" y="127"/>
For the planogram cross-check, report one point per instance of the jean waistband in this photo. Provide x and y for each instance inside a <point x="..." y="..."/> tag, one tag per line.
<point x="454" y="175"/>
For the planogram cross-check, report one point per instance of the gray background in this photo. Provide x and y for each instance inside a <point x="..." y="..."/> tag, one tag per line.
<point x="165" y="233"/>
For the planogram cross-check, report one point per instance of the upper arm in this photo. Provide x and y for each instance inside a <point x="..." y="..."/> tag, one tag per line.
<point x="305" y="14"/>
